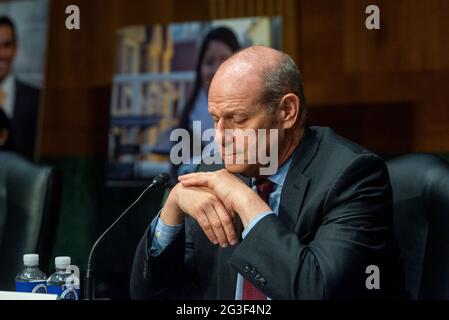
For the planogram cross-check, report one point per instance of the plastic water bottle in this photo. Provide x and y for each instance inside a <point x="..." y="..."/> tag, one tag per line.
<point x="31" y="279"/>
<point x="63" y="283"/>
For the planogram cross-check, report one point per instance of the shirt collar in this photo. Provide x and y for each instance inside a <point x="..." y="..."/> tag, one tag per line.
<point x="8" y="86"/>
<point x="279" y="177"/>
<point x="7" y="82"/>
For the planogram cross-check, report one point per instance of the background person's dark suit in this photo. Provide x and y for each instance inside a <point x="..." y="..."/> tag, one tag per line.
<point x="335" y="219"/>
<point x="24" y="120"/>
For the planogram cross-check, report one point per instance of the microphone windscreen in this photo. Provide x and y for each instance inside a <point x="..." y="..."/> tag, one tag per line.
<point x="161" y="180"/>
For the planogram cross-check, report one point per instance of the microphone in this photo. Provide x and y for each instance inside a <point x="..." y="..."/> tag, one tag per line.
<point x="159" y="182"/>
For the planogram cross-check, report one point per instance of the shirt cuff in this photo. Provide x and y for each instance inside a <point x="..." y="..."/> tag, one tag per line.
<point x="161" y="235"/>
<point x="254" y="222"/>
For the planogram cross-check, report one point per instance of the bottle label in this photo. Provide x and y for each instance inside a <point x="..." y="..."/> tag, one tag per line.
<point x="33" y="286"/>
<point x="65" y="292"/>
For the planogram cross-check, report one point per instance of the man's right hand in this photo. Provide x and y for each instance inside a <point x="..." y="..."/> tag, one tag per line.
<point x="203" y="206"/>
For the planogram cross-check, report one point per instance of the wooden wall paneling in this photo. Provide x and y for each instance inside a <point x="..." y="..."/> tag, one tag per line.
<point x="403" y="64"/>
<point x="409" y="39"/>
<point x="81" y="63"/>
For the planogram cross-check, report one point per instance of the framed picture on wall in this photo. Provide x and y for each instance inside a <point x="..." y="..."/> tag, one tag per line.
<point x="161" y="82"/>
<point x="23" y="46"/>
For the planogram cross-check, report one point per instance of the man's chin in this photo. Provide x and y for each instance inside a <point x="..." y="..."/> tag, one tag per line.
<point x="243" y="169"/>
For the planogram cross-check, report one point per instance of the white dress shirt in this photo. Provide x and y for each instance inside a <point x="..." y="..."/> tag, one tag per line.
<point x="8" y="86"/>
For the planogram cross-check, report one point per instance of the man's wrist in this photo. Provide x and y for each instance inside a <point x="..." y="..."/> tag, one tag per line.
<point x="251" y="207"/>
<point x="255" y="221"/>
<point x="171" y="214"/>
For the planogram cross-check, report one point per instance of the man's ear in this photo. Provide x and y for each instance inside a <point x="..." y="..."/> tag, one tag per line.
<point x="289" y="110"/>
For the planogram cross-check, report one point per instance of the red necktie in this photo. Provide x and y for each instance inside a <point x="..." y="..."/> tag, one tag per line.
<point x="250" y="292"/>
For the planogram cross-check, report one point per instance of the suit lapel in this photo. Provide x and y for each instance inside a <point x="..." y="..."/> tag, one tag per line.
<point x="293" y="192"/>
<point x="296" y="183"/>
<point x="290" y="206"/>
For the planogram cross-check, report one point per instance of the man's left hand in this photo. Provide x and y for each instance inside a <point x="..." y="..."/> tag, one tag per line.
<point x="233" y="192"/>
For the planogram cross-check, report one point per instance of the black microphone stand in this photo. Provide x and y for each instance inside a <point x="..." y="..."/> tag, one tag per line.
<point x="89" y="284"/>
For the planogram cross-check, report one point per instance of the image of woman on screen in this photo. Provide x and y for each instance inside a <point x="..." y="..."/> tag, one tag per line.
<point x="218" y="45"/>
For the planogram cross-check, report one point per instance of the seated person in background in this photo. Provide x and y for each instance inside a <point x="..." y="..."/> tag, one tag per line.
<point x="19" y="101"/>
<point x="311" y="230"/>
<point x="219" y="44"/>
<point x="5" y="132"/>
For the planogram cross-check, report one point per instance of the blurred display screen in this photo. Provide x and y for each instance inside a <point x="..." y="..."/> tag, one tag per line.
<point x="159" y="73"/>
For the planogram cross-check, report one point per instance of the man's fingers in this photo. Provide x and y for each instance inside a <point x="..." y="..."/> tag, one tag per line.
<point x="195" y="181"/>
<point x="227" y="223"/>
<point x="204" y="223"/>
<point x="213" y="217"/>
<point x="193" y="175"/>
<point x="217" y="226"/>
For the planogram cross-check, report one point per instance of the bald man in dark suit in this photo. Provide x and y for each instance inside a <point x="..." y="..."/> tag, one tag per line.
<point x="314" y="228"/>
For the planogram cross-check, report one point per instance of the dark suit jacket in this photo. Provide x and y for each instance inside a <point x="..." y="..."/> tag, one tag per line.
<point x="24" y="121"/>
<point x="335" y="219"/>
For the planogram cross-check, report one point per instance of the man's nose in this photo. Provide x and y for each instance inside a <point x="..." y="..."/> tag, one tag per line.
<point x="223" y="135"/>
<point x="219" y="133"/>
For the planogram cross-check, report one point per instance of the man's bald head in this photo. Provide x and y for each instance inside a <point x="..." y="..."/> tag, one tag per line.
<point x="255" y="58"/>
<point x="257" y="90"/>
<point x="273" y="71"/>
